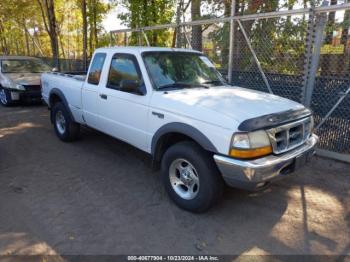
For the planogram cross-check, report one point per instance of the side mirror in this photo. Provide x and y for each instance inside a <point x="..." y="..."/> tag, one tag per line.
<point x="55" y="69"/>
<point x="130" y="86"/>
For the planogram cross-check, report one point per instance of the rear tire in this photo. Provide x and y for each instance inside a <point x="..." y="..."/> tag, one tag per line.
<point x="5" y="97"/>
<point x="65" y="128"/>
<point x="191" y="177"/>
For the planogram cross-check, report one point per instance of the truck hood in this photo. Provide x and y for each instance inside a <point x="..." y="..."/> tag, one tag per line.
<point x="24" y="78"/>
<point x="234" y="103"/>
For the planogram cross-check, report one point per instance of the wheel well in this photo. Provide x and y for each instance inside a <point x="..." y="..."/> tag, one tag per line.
<point x="54" y="99"/>
<point x="166" y="141"/>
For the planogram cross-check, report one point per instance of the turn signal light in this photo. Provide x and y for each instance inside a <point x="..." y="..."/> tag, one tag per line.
<point x="250" y="153"/>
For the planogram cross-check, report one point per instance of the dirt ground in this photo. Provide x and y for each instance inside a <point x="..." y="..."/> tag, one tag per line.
<point x="100" y="196"/>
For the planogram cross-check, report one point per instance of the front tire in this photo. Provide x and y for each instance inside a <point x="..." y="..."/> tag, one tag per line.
<point x="191" y="177"/>
<point x="5" y="97"/>
<point x="65" y="128"/>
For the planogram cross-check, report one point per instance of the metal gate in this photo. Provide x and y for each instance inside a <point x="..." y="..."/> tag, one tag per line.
<point x="301" y="54"/>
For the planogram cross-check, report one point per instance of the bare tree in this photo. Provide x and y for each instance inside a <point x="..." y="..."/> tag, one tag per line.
<point x="176" y="35"/>
<point x="94" y="10"/>
<point x="326" y="66"/>
<point x="196" y="40"/>
<point x="3" y="42"/>
<point x="26" y="39"/>
<point x="47" y="9"/>
<point x="83" y="11"/>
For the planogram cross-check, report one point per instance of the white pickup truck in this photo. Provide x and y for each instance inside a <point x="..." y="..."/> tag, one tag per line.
<point x="174" y="105"/>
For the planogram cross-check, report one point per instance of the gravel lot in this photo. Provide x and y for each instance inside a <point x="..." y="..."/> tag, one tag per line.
<point x="100" y="196"/>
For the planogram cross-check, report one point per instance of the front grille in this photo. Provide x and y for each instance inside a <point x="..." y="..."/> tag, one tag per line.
<point x="32" y="87"/>
<point x="289" y="136"/>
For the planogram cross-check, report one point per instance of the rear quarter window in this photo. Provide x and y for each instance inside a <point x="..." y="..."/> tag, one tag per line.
<point x="96" y="68"/>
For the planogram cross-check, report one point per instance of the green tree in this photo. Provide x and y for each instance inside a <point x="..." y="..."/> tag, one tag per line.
<point x="14" y="19"/>
<point x="51" y="28"/>
<point x="96" y="11"/>
<point x="147" y="13"/>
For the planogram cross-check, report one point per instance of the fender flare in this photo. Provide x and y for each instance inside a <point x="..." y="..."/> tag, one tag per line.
<point x="59" y="93"/>
<point x="184" y="129"/>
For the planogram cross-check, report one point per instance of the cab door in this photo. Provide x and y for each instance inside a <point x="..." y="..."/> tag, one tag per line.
<point x="91" y="90"/>
<point x="124" y="114"/>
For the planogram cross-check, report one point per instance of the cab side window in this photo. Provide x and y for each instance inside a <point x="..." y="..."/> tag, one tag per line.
<point x="96" y="68"/>
<point x="123" y="67"/>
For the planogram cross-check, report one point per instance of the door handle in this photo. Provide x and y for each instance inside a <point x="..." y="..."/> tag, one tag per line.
<point x="103" y="96"/>
<point x="159" y="115"/>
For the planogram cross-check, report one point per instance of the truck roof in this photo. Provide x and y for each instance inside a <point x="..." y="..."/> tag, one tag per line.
<point x="140" y="49"/>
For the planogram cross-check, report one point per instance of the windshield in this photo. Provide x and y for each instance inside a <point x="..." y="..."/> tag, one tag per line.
<point x="23" y="66"/>
<point x="181" y="70"/>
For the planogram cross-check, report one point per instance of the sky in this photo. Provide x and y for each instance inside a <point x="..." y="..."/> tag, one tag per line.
<point x="111" y="21"/>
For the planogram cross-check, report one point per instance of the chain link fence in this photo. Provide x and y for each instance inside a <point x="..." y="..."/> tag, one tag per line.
<point x="66" y="65"/>
<point x="332" y="81"/>
<point x="303" y="55"/>
<point x="279" y="45"/>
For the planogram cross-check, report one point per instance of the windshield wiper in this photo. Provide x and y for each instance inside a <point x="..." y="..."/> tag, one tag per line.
<point x="174" y="85"/>
<point x="213" y="82"/>
<point x="181" y="86"/>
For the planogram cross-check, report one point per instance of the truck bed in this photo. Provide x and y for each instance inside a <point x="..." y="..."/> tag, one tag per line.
<point x="76" y="75"/>
<point x="69" y="84"/>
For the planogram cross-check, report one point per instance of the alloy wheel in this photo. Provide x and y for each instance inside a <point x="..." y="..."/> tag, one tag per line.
<point x="3" y="97"/>
<point x="184" y="179"/>
<point x="60" y="122"/>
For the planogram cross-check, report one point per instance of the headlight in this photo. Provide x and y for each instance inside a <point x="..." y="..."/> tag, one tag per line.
<point x="250" y="145"/>
<point x="20" y="87"/>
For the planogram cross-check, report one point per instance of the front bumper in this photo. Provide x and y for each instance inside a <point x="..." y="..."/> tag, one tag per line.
<point x="28" y="95"/>
<point x="257" y="173"/>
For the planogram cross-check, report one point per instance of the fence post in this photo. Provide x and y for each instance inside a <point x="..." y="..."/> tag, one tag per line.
<point x="232" y="30"/>
<point x="309" y="41"/>
<point x="321" y="20"/>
